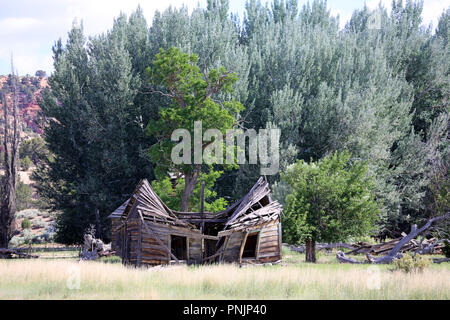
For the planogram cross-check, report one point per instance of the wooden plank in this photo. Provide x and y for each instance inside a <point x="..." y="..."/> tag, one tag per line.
<point x="269" y="239"/>
<point x="155" y="261"/>
<point x="258" y="242"/>
<point x="224" y="248"/>
<point x="270" y="254"/>
<point x="157" y="239"/>
<point x="139" y="244"/>
<point x="187" y="248"/>
<point x="280" y="243"/>
<point x="169" y="245"/>
<point x="251" y="228"/>
<point x="241" y="251"/>
<point x="273" y="248"/>
<point x="160" y="255"/>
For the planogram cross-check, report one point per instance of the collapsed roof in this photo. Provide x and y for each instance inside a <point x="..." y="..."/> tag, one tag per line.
<point x="255" y="208"/>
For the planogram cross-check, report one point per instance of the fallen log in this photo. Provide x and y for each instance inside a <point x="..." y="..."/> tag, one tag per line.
<point x="9" y="253"/>
<point x="437" y="260"/>
<point x="321" y="246"/>
<point x="329" y="246"/>
<point x="429" y="248"/>
<point x="413" y="234"/>
<point x="342" y="258"/>
<point x="395" y="252"/>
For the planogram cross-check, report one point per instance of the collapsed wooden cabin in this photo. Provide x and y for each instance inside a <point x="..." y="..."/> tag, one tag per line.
<point x="146" y="232"/>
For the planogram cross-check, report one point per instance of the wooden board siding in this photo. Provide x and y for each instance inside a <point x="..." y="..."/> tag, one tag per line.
<point x="115" y="235"/>
<point x="269" y="243"/>
<point x="144" y="227"/>
<point x="233" y="248"/>
<point x="268" y="248"/>
<point x="195" y="250"/>
<point x="144" y="248"/>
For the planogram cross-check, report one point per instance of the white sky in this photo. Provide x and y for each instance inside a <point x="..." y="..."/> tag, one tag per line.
<point x="29" y="28"/>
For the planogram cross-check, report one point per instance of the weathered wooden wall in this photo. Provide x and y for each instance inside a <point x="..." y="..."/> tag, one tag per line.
<point x="136" y="246"/>
<point x="232" y="247"/>
<point x="195" y="250"/>
<point x="145" y="249"/>
<point x="270" y="243"/>
<point x="268" y="247"/>
<point x="115" y="234"/>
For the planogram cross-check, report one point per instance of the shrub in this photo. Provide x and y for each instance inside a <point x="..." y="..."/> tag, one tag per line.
<point x="45" y="214"/>
<point x="409" y="263"/>
<point x="111" y="259"/>
<point x="24" y="199"/>
<point x="38" y="223"/>
<point x="16" y="241"/>
<point x="26" y="163"/>
<point x="37" y="239"/>
<point x="26" y="223"/>
<point x="28" y="236"/>
<point x="28" y="213"/>
<point x="446" y="249"/>
<point x="47" y="237"/>
<point x="20" y="214"/>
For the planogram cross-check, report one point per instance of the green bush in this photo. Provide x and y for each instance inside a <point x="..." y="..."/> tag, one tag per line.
<point x="26" y="163"/>
<point x="446" y="249"/>
<point x="111" y="259"/>
<point x="26" y="223"/>
<point x="409" y="263"/>
<point x="24" y="199"/>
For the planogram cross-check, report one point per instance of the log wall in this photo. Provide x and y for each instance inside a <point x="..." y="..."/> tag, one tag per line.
<point x="142" y="248"/>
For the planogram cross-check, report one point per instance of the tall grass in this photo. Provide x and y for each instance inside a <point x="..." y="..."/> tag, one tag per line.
<point x="41" y="279"/>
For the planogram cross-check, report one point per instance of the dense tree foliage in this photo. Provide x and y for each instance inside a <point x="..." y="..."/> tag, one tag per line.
<point x="193" y="99"/>
<point x="378" y="88"/>
<point x="331" y="201"/>
<point x="34" y="149"/>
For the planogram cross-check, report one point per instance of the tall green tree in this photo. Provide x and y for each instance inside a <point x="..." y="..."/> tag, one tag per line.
<point x="94" y="130"/>
<point x="192" y="93"/>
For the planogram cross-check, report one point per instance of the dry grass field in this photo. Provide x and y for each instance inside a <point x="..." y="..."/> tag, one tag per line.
<point x="69" y="279"/>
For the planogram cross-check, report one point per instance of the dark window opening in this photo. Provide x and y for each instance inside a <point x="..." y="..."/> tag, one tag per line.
<point x="210" y="247"/>
<point x="250" y="246"/>
<point x="178" y="246"/>
<point x="264" y="201"/>
<point x="220" y="242"/>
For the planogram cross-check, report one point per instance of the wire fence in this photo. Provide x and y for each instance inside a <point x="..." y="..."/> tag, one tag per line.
<point x="52" y="252"/>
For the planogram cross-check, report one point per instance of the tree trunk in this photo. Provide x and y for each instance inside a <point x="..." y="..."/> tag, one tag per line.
<point x="3" y="237"/>
<point x="310" y="251"/>
<point x="189" y="183"/>
<point x="98" y="225"/>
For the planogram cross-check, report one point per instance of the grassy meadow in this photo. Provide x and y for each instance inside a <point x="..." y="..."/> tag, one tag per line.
<point x="107" y="279"/>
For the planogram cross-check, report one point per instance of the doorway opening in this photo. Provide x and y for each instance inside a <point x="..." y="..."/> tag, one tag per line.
<point x="250" y="246"/>
<point x="178" y="247"/>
